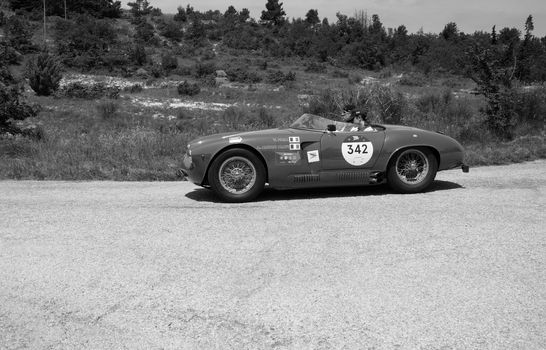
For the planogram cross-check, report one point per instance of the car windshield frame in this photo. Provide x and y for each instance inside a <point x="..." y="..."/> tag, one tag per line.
<point x="316" y="122"/>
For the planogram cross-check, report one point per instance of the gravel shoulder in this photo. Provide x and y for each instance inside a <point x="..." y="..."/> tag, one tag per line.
<point x="102" y="265"/>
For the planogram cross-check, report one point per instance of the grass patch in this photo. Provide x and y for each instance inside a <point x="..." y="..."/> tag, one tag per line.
<point x="142" y="134"/>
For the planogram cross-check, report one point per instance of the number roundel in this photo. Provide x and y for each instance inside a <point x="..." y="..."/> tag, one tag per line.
<point x="357" y="151"/>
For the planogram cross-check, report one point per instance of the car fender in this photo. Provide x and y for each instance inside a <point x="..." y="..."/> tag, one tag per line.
<point x="448" y="151"/>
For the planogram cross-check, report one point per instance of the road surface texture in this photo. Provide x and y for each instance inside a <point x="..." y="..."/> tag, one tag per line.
<point x="110" y="265"/>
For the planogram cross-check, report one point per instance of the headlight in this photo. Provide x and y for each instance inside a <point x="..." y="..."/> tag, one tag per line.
<point x="189" y="150"/>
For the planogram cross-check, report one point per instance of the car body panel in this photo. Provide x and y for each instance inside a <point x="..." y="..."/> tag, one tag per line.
<point x="308" y="155"/>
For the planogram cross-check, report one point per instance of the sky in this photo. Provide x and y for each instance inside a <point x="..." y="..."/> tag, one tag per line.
<point x="429" y="15"/>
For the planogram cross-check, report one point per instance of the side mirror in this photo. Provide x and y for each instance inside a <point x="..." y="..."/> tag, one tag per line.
<point x="331" y="127"/>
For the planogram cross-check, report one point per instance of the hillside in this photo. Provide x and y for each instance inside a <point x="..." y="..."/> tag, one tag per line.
<point x="133" y="90"/>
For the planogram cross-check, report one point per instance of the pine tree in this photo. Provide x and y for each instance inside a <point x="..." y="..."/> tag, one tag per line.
<point x="312" y="17"/>
<point x="274" y="14"/>
<point x="529" y="27"/>
<point x="494" y="36"/>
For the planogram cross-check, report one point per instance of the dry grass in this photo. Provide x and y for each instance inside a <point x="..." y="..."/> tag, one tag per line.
<point x="142" y="135"/>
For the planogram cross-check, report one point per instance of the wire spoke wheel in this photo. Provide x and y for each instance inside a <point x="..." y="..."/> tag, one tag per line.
<point x="237" y="175"/>
<point x="412" y="167"/>
<point x="412" y="170"/>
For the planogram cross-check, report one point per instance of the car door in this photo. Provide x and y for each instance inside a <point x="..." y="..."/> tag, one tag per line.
<point x="351" y="150"/>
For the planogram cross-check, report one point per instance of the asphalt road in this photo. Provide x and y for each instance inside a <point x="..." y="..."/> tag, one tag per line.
<point x="108" y="265"/>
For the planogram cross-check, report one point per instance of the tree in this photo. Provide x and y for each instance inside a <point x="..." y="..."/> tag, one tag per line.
<point x="244" y="15"/>
<point x="376" y="28"/>
<point x="196" y="32"/>
<point x="84" y="41"/>
<point x="19" y="34"/>
<point x="172" y="31"/>
<point x="312" y="17"/>
<point x="529" y="27"/>
<point x="140" y="8"/>
<point x="531" y="56"/>
<point x="95" y="8"/>
<point x="274" y="14"/>
<point x="231" y="12"/>
<point x="138" y="54"/>
<point x="494" y="39"/>
<point x="508" y="36"/>
<point x="181" y="15"/>
<point x="494" y="81"/>
<point x="450" y="32"/>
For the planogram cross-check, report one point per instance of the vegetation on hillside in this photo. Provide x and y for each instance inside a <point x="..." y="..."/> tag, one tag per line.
<point x="485" y="88"/>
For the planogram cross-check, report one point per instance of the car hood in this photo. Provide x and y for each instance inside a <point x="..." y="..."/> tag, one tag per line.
<point x="257" y="133"/>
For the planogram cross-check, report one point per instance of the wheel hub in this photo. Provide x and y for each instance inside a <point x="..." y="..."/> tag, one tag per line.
<point x="237" y="175"/>
<point x="412" y="167"/>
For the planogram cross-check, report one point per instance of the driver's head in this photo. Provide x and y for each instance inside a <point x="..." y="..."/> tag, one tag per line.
<point x="348" y="113"/>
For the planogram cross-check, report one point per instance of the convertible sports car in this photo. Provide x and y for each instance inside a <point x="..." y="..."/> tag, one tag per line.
<point x="317" y="152"/>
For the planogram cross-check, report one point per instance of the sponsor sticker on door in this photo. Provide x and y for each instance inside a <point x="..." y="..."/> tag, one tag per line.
<point x="313" y="156"/>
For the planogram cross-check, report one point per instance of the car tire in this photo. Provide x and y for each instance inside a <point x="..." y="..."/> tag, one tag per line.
<point x="237" y="175"/>
<point x="412" y="170"/>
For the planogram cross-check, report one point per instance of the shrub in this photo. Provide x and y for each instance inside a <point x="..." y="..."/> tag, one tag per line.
<point x="172" y="31"/>
<point x="107" y="109"/>
<point x="326" y="103"/>
<point x="315" y="67"/>
<point x="233" y="117"/>
<point x="85" y="41"/>
<point x="208" y="80"/>
<point x="19" y="34"/>
<point x="262" y="64"/>
<point x="278" y="77"/>
<point x="512" y="110"/>
<point x="501" y="114"/>
<point x="134" y="88"/>
<point x="189" y="89"/>
<point x="157" y="71"/>
<point x="531" y="109"/>
<point x="354" y="78"/>
<point x="243" y="75"/>
<point x="89" y="91"/>
<point x="144" y="32"/>
<point x="169" y="62"/>
<point x="183" y="70"/>
<point x="12" y="108"/>
<point x="138" y="55"/>
<point x="413" y="80"/>
<point x="9" y="54"/>
<point x="339" y="74"/>
<point x="265" y="119"/>
<point x="44" y="74"/>
<point x="390" y="104"/>
<point x="204" y="69"/>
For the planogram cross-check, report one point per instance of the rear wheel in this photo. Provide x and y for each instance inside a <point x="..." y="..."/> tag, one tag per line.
<point x="412" y="170"/>
<point x="237" y="175"/>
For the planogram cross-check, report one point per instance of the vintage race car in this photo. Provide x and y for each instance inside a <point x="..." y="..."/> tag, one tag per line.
<point x="318" y="152"/>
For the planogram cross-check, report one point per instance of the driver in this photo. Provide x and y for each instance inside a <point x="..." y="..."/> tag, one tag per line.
<point x="351" y="115"/>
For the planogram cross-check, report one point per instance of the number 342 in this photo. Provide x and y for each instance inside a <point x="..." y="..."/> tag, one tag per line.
<point x="360" y="148"/>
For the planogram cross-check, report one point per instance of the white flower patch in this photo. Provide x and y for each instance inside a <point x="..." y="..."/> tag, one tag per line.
<point x="209" y="106"/>
<point x="110" y="81"/>
<point x="94" y="79"/>
<point x="178" y="103"/>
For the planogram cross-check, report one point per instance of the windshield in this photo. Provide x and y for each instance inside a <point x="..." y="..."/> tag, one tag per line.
<point x="315" y="122"/>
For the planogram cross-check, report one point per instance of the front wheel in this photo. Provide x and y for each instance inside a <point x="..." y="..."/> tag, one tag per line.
<point x="412" y="170"/>
<point x="237" y="175"/>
